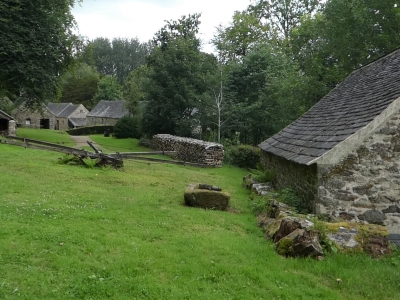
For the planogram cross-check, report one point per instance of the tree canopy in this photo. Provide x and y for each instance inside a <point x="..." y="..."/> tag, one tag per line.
<point x="117" y="57"/>
<point x="175" y="90"/>
<point x="79" y="85"/>
<point x="36" y="46"/>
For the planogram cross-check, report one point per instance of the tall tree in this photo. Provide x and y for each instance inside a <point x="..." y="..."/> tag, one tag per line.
<point x="265" y="94"/>
<point x="283" y="15"/>
<point x="344" y="36"/>
<point x="186" y="28"/>
<point x="134" y="89"/>
<point x="117" y="57"/>
<point x="79" y="85"/>
<point x="243" y="34"/>
<point x="108" y="89"/>
<point x="36" y="46"/>
<point x="175" y="89"/>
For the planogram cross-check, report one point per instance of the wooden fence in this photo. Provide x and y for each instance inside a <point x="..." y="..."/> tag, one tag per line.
<point x="115" y="159"/>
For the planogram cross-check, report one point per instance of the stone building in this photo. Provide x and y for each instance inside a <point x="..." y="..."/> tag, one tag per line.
<point x="107" y="113"/>
<point x="343" y="155"/>
<point x="68" y="115"/>
<point x="7" y="124"/>
<point x="58" y="116"/>
<point x="40" y="117"/>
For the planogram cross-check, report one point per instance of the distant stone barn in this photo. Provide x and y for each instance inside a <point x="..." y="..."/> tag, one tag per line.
<point x="343" y="155"/>
<point x="58" y="116"/>
<point x="107" y="113"/>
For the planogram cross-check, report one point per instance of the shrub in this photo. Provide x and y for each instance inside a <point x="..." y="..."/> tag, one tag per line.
<point x="99" y="129"/>
<point x="127" y="127"/>
<point x="243" y="156"/>
<point x="262" y="175"/>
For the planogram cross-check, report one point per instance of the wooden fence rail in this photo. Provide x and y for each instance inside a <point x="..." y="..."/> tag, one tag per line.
<point x="113" y="158"/>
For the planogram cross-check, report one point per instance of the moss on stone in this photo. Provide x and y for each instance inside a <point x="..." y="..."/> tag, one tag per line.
<point x="285" y="247"/>
<point x="210" y="199"/>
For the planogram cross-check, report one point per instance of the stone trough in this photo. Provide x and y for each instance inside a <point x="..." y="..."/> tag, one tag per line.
<point x="206" y="196"/>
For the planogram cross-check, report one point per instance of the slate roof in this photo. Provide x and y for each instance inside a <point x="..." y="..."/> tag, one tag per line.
<point x="4" y="115"/>
<point x="109" y="109"/>
<point x="58" y="108"/>
<point x="77" y="122"/>
<point x="353" y="104"/>
<point x="65" y="113"/>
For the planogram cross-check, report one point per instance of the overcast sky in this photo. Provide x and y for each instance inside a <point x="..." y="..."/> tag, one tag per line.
<point x="143" y="18"/>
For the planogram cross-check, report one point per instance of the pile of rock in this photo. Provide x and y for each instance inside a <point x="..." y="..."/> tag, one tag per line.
<point x="190" y="150"/>
<point x="296" y="235"/>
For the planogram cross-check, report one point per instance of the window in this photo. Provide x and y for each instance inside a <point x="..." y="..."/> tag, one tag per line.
<point x="28" y="121"/>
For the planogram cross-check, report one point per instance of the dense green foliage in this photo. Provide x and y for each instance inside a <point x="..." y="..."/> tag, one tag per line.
<point x="265" y="94"/>
<point x="36" y="45"/>
<point x="344" y="36"/>
<point x="175" y="90"/>
<point x="117" y="57"/>
<point x="98" y="129"/>
<point x="108" y="89"/>
<point x="79" y="85"/>
<point x="243" y="156"/>
<point x="127" y="127"/>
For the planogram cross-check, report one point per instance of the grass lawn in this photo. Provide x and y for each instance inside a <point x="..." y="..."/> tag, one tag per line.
<point x="47" y="135"/>
<point x="121" y="145"/>
<point x="68" y="232"/>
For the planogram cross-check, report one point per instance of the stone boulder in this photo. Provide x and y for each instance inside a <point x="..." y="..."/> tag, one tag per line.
<point x="290" y="224"/>
<point x="392" y="209"/>
<point x="300" y="243"/>
<point x="373" y="217"/>
<point x="344" y="238"/>
<point x="377" y="246"/>
<point x="206" y="196"/>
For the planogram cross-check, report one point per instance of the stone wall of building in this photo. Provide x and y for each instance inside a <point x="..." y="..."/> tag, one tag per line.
<point x="62" y="124"/>
<point x="190" y="150"/>
<point x="367" y="181"/>
<point x="303" y="179"/>
<point x="92" y="121"/>
<point x="26" y="117"/>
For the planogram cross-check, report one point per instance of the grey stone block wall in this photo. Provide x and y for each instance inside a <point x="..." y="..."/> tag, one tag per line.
<point x="12" y="127"/>
<point x="303" y="179"/>
<point x="22" y="113"/>
<point x="190" y="150"/>
<point x="367" y="179"/>
<point x="92" y="121"/>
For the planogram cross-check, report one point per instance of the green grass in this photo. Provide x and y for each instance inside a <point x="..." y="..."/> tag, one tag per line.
<point x="47" y="135"/>
<point x="69" y="232"/>
<point x="121" y="145"/>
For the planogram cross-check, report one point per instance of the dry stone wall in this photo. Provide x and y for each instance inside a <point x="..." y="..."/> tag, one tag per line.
<point x="190" y="150"/>
<point x="301" y="178"/>
<point x="366" y="185"/>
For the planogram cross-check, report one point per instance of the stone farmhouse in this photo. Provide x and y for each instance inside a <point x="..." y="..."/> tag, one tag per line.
<point x="7" y="124"/>
<point x="107" y="113"/>
<point x="343" y="155"/>
<point x="58" y="116"/>
<point x="68" y="115"/>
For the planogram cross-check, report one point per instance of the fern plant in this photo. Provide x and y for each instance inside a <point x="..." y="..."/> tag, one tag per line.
<point x="262" y="175"/>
